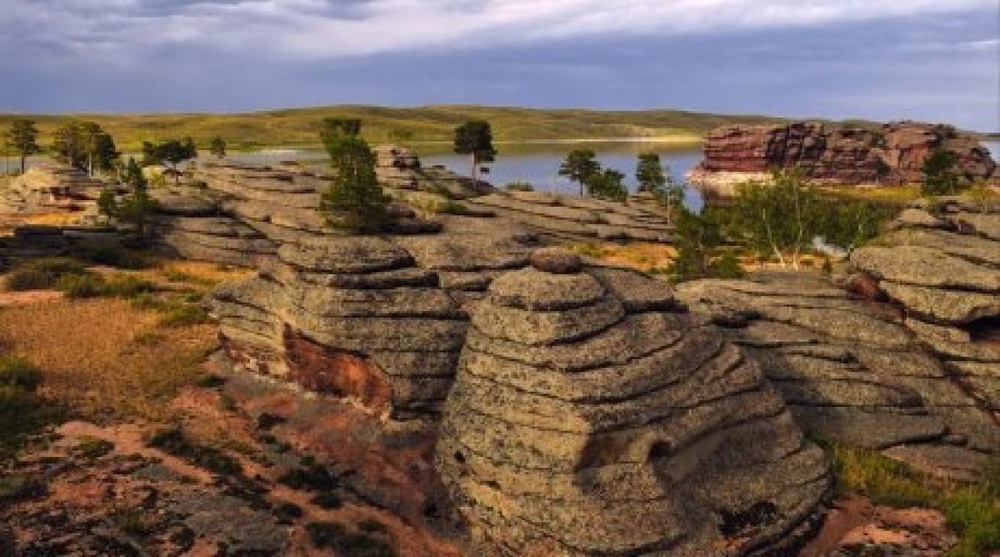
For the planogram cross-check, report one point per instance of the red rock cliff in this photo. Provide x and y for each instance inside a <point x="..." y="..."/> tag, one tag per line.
<point x="841" y="154"/>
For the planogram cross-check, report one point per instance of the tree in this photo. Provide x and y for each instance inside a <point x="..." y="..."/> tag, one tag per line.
<point x="86" y="146"/>
<point x="354" y="201"/>
<point x="171" y="153"/>
<point x="136" y="206"/>
<point x="776" y="216"/>
<point x="940" y="176"/>
<point x="656" y="179"/>
<point x="475" y="138"/>
<point x="607" y="184"/>
<point x="23" y="138"/>
<point x="218" y="147"/>
<point x="580" y="165"/>
<point x="698" y="239"/>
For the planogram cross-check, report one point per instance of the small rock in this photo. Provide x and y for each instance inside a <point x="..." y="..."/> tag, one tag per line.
<point x="556" y="260"/>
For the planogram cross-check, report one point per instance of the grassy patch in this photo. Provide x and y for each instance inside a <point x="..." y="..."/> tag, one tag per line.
<point x="973" y="511"/>
<point x="173" y="441"/>
<point x="21" y="412"/>
<point x="94" y="447"/>
<point x="113" y="255"/>
<point x="20" y="487"/>
<point x="43" y="274"/>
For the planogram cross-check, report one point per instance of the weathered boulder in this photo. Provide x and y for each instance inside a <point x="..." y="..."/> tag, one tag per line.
<point x="53" y="188"/>
<point x="836" y="154"/>
<point x="399" y="168"/>
<point x="849" y="369"/>
<point x="590" y="418"/>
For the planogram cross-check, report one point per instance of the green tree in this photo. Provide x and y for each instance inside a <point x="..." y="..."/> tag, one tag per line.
<point x="940" y="175"/>
<point x="653" y="177"/>
<point x="23" y="138"/>
<point x="136" y="206"/>
<point x="697" y="239"/>
<point x="607" y="184"/>
<point x="170" y="153"/>
<point x="354" y="201"/>
<point x="86" y="146"/>
<point x="579" y="166"/>
<point x="475" y="138"/>
<point x="776" y="216"/>
<point x="218" y="147"/>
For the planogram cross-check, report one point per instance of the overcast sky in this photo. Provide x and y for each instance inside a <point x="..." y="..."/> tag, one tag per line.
<point x="936" y="60"/>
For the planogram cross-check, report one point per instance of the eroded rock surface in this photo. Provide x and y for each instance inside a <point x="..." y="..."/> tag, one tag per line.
<point x="837" y="154"/>
<point x="588" y="417"/>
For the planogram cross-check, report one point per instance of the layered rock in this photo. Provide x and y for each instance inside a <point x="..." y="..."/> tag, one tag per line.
<point x="944" y="274"/>
<point x="588" y="417"/>
<point x="52" y="188"/>
<point x="400" y="168"/>
<point x="573" y="218"/>
<point x="363" y="317"/>
<point x="835" y="154"/>
<point x="849" y="369"/>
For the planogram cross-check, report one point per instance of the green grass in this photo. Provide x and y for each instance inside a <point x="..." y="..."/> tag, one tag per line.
<point x="972" y="510"/>
<point x="300" y="126"/>
<point x="21" y="413"/>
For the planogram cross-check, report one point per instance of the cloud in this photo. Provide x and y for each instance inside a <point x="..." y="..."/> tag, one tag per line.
<point x="329" y="29"/>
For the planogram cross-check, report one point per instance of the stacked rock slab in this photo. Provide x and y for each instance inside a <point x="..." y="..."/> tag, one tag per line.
<point x="399" y="168"/>
<point x="361" y="317"/>
<point x="833" y="154"/>
<point x="848" y="369"/>
<point x="944" y="273"/>
<point x="589" y="418"/>
<point x="580" y="219"/>
<point x="52" y="188"/>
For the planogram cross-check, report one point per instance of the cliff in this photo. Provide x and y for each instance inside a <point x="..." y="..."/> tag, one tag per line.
<point x="839" y="155"/>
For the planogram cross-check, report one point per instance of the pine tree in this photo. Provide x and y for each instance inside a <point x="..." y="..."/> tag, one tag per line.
<point x="354" y="201"/>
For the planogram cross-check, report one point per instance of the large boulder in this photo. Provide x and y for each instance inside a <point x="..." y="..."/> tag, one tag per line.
<point x="589" y="417"/>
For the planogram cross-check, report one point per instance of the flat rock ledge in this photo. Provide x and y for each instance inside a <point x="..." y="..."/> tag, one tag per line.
<point x="590" y="418"/>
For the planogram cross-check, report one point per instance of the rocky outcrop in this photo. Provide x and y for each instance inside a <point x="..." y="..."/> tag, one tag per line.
<point x="400" y="168"/>
<point x="849" y="369"/>
<point x="377" y="320"/>
<point x="833" y="154"/>
<point x="589" y="417"/>
<point x="943" y="272"/>
<point x="52" y="188"/>
<point x="580" y="219"/>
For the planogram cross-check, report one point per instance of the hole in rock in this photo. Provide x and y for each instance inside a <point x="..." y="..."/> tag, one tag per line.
<point x="659" y="450"/>
<point x="459" y="458"/>
<point x="985" y="330"/>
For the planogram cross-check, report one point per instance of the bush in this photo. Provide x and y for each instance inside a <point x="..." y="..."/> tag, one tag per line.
<point x="113" y="255"/>
<point x="185" y="314"/>
<point x="976" y="519"/>
<point x="81" y="286"/>
<point x="43" y="273"/>
<point x="21" y="280"/>
<point x="449" y="207"/>
<point x="519" y="186"/>
<point x="19" y="372"/>
<point x="335" y="536"/>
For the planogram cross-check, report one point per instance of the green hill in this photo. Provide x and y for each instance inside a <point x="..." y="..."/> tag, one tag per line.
<point x="299" y="126"/>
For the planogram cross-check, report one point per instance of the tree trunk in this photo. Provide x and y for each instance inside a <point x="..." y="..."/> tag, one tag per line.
<point x="23" y="159"/>
<point x="475" y="172"/>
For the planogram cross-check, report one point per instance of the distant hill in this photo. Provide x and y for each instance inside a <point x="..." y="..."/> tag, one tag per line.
<point x="299" y="126"/>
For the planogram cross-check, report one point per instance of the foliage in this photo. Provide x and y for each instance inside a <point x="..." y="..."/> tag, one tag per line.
<point x="849" y="224"/>
<point x="171" y="152"/>
<point x="656" y="179"/>
<point x="776" y="216"/>
<point x="23" y="138"/>
<point x="17" y="371"/>
<point x="971" y="509"/>
<point x="475" y="138"/>
<point x="335" y="127"/>
<point x="173" y="441"/>
<point x="580" y="166"/>
<point x="218" y="147"/>
<point x="519" y="186"/>
<point x="85" y="146"/>
<point x="698" y="239"/>
<point x="607" y="184"/>
<point x="136" y="207"/>
<point x="940" y="175"/>
<point x="112" y="254"/>
<point x="450" y="207"/>
<point x="42" y="274"/>
<point x="20" y="412"/>
<point x="354" y="201"/>
<point x="94" y="447"/>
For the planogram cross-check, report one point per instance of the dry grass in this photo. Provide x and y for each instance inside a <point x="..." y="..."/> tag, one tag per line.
<point x="200" y="273"/>
<point x="641" y="256"/>
<point x="105" y="358"/>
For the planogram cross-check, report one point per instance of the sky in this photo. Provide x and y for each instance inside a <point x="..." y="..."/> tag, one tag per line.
<point x="932" y="60"/>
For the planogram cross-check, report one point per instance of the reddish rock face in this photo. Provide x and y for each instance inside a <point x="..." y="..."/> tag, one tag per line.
<point x="843" y="155"/>
<point x="322" y="370"/>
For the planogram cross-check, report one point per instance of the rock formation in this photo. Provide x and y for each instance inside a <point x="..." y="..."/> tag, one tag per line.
<point x="52" y="188"/>
<point x="580" y="219"/>
<point x="589" y="417"/>
<point x="399" y="168"/>
<point x="839" y="155"/>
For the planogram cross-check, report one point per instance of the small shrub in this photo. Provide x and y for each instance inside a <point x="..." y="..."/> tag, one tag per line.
<point x="287" y="513"/>
<point x="311" y="476"/>
<point x="18" y="372"/>
<point x="86" y="285"/>
<point x="327" y="500"/>
<point x="94" y="447"/>
<point x="976" y="519"/>
<point x="126" y="286"/>
<point x="172" y="441"/>
<point x="519" y="186"/>
<point x="370" y="525"/>
<point x="186" y="314"/>
<point x="727" y="266"/>
<point x="449" y="207"/>
<point x="20" y="280"/>
<point x="113" y="255"/>
<point x="335" y="536"/>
